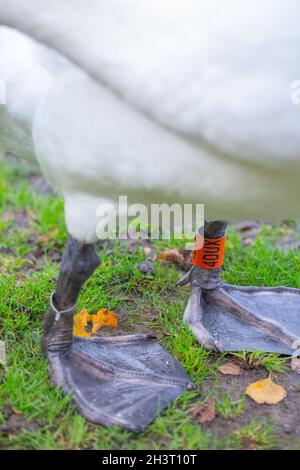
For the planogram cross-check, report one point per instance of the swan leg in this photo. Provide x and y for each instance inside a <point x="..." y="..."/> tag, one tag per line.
<point x="79" y="261"/>
<point x="118" y="380"/>
<point x="232" y="318"/>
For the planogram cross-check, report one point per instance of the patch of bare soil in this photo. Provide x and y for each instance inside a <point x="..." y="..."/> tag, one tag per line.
<point x="19" y="218"/>
<point x="284" y="416"/>
<point x="15" y="422"/>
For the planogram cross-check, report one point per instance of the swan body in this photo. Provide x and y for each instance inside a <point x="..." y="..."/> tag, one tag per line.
<point x="161" y="101"/>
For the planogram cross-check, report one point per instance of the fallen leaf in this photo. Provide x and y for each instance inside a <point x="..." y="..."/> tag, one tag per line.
<point x="230" y="369"/>
<point x="16" y="411"/>
<point x="205" y="413"/>
<point x="295" y="364"/>
<point x="183" y="261"/>
<point x="266" y="391"/>
<point x="172" y="255"/>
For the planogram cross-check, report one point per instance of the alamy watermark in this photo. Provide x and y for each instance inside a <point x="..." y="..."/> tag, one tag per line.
<point x="156" y="221"/>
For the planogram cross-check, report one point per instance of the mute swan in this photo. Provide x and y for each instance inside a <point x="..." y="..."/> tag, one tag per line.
<point x="162" y="101"/>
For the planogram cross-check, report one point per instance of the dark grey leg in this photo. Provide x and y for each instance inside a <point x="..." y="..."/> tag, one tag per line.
<point x="116" y="380"/>
<point x="211" y="278"/>
<point x="225" y="317"/>
<point x="215" y="229"/>
<point x="78" y="264"/>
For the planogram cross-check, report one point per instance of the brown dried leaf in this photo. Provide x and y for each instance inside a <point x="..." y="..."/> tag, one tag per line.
<point x="295" y="365"/>
<point x="165" y="334"/>
<point x="266" y="391"/>
<point x="205" y="413"/>
<point x="230" y="369"/>
<point x="182" y="260"/>
<point x="172" y="255"/>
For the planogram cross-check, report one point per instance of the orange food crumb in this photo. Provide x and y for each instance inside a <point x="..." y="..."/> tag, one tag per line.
<point x="103" y="318"/>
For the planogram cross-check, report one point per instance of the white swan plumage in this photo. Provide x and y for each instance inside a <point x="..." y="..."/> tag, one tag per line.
<point x="164" y="101"/>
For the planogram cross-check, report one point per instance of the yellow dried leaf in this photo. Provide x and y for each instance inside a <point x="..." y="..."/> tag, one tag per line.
<point x="104" y="318"/>
<point x="266" y="391"/>
<point x="80" y="324"/>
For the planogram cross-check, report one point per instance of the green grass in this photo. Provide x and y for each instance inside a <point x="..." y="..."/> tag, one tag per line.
<point x="257" y="435"/>
<point x="273" y="363"/>
<point x="229" y="408"/>
<point x="28" y="271"/>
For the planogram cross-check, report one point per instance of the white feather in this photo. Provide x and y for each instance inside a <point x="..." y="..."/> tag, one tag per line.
<point x="169" y="101"/>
